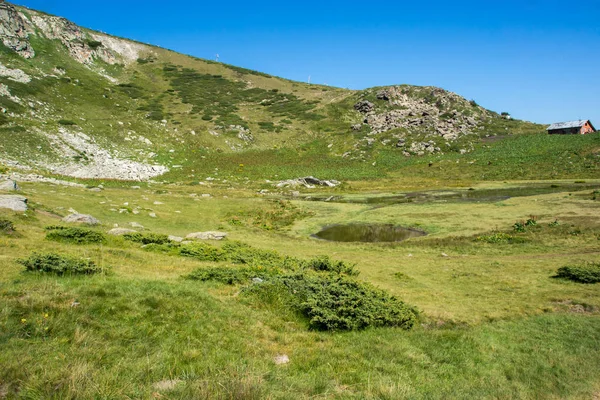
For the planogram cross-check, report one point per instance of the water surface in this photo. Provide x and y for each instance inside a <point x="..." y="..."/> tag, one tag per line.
<point x="367" y="233"/>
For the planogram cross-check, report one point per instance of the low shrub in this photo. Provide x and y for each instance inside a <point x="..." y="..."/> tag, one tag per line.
<point x="6" y="227"/>
<point x="60" y="265"/>
<point x="336" y="303"/>
<point x="242" y="253"/>
<point x="147" y="238"/>
<point x="202" y="252"/>
<point x="231" y="276"/>
<point x="66" y="122"/>
<point x="499" y="237"/>
<point x="75" y="235"/>
<point x="326" y="264"/>
<point x="585" y="273"/>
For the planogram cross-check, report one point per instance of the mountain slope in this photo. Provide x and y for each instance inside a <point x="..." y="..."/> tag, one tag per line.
<point x="85" y="104"/>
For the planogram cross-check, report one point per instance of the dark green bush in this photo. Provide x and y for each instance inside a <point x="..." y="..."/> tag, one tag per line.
<point x="325" y="264"/>
<point x="336" y="303"/>
<point x="75" y="235"/>
<point x="6" y="227"/>
<point x="231" y="276"/>
<point x="94" y="44"/>
<point x="60" y="265"/>
<point x="202" y="252"/>
<point x="585" y="273"/>
<point x="66" y="122"/>
<point x="147" y="238"/>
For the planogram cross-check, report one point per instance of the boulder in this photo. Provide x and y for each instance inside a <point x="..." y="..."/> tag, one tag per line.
<point x="210" y="235"/>
<point x="364" y="106"/>
<point x="13" y="202"/>
<point x="177" y="239"/>
<point x="9" y="186"/>
<point x="81" y="219"/>
<point x="120" y="231"/>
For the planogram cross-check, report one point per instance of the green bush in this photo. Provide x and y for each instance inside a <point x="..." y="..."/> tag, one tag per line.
<point x="66" y="122"/>
<point x="326" y="264"/>
<point x="147" y="238"/>
<point x="231" y="276"/>
<point x="60" y="265"/>
<point x="202" y="252"/>
<point x="500" y="237"/>
<point x="6" y="227"/>
<point x="585" y="273"/>
<point x="94" y="44"/>
<point x="336" y="303"/>
<point x="74" y="235"/>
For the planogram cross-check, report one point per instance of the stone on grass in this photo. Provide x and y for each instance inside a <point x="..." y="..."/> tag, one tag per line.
<point x="81" y="219"/>
<point x="177" y="239"/>
<point x="9" y="186"/>
<point x="13" y="202"/>
<point x="136" y="225"/>
<point x="211" y="235"/>
<point x="281" y="359"/>
<point x="120" y="231"/>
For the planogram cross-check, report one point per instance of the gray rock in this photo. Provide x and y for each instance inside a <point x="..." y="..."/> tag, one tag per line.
<point x="81" y="219"/>
<point x="120" y="231"/>
<point x="364" y="106"/>
<point x="257" y="280"/>
<point x="9" y="186"/>
<point x="210" y="235"/>
<point x="136" y="225"/>
<point x="281" y="359"/>
<point x="13" y="202"/>
<point x="177" y="239"/>
<point x="13" y="31"/>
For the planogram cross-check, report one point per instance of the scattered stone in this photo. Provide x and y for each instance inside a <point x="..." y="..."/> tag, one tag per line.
<point x="13" y="202"/>
<point x="158" y="203"/>
<point x="120" y="231"/>
<point x="444" y="255"/>
<point x="9" y="186"/>
<point x="257" y="280"/>
<point x="95" y="189"/>
<point x="136" y="225"/>
<point x="210" y="235"/>
<point x="281" y="359"/>
<point x="81" y="219"/>
<point x="152" y="215"/>
<point x="177" y="239"/>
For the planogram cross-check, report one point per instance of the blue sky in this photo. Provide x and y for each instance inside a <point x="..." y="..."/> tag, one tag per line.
<point x="537" y="59"/>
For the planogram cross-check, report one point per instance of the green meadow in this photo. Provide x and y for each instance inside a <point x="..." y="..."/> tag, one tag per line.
<point x="493" y="321"/>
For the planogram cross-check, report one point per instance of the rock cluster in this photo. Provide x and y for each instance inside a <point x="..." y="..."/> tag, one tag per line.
<point x="211" y="235"/>
<point x="439" y="114"/>
<point x="309" y="182"/>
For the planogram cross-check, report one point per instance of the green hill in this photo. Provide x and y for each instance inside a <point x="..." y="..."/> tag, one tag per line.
<point x="81" y="103"/>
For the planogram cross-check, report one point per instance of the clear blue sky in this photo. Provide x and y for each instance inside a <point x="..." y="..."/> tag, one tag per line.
<point x="537" y="59"/>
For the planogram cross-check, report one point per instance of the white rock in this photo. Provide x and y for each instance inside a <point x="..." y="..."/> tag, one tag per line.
<point x="210" y="235"/>
<point x="9" y="186"/>
<point x="120" y="231"/>
<point x="177" y="239"/>
<point x="13" y="202"/>
<point x="81" y="219"/>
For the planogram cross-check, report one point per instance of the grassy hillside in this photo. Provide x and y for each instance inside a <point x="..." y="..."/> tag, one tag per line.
<point x="198" y="118"/>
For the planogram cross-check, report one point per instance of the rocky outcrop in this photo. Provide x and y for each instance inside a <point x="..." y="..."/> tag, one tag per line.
<point x="211" y="235"/>
<point x="13" y="202"/>
<point x="308" y="182"/>
<point x="81" y="219"/>
<point x="14" y="31"/>
<point x="432" y="112"/>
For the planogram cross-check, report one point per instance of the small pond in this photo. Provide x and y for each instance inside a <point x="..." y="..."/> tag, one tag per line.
<point x="367" y="233"/>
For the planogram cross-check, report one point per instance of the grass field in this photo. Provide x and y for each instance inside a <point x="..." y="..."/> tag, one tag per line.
<point x="493" y="321"/>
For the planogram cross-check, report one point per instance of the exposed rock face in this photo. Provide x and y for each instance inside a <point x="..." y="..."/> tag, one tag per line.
<point x="13" y="30"/>
<point x="13" y="202"/>
<point x="438" y="114"/>
<point x="81" y="219"/>
<point x="211" y="235"/>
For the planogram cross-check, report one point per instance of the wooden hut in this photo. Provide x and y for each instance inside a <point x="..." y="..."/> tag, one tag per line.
<point x="580" y="127"/>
